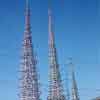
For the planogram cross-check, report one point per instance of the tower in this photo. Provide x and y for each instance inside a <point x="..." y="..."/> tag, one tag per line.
<point x="29" y="89"/>
<point x="55" y="85"/>
<point x="75" y="95"/>
<point x="67" y="84"/>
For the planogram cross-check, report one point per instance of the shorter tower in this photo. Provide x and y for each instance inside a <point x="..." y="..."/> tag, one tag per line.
<point x="75" y="95"/>
<point x="67" y="83"/>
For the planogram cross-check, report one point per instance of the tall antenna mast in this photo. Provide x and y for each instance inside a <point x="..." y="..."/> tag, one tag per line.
<point x="29" y="89"/>
<point x="55" y="85"/>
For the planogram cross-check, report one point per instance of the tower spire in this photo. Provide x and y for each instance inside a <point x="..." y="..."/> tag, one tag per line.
<point x="51" y="31"/>
<point x="75" y="95"/>
<point x="55" y="86"/>
<point x="29" y="89"/>
<point x="27" y="14"/>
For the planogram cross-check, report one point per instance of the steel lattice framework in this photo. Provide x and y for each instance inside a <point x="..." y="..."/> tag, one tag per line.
<point x="29" y="89"/>
<point x="55" y="85"/>
<point x="75" y="95"/>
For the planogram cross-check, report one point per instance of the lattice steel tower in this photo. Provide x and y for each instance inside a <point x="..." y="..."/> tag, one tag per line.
<point x="55" y="85"/>
<point x="75" y="95"/>
<point x="29" y="89"/>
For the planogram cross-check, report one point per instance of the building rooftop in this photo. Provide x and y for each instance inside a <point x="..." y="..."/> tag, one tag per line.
<point x="97" y="98"/>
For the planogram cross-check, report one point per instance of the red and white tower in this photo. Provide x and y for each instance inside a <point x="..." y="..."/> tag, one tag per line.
<point x="55" y="85"/>
<point x="29" y="89"/>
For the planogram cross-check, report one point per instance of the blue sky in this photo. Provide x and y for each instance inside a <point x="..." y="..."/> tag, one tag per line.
<point x="77" y="34"/>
